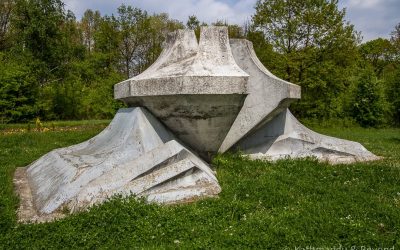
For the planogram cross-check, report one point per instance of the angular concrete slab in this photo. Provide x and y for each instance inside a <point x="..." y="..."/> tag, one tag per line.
<point x="135" y="154"/>
<point x="285" y="137"/>
<point x="196" y="90"/>
<point x="268" y="94"/>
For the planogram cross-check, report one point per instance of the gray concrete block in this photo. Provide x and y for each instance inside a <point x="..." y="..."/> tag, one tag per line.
<point x="267" y="94"/>
<point x="196" y="90"/>
<point x="135" y="154"/>
<point x="285" y="137"/>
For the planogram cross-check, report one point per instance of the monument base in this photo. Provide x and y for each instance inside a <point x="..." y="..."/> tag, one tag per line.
<point x="134" y="155"/>
<point x="285" y="137"/>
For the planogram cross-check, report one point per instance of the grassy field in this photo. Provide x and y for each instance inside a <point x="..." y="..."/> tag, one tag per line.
<point x="52" y="126"/>
<point x="292" y="204"/>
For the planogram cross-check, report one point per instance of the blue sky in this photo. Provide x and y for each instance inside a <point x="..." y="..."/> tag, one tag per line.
<point x="374" y="18"/>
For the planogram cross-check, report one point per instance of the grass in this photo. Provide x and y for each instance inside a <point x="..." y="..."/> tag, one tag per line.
<point x="289" y="203"/>
<point x="39" y="126"/>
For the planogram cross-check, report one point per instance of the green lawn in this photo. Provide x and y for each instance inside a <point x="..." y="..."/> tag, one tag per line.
<point x="263" y="205"/>
<point x="52" y="126"/>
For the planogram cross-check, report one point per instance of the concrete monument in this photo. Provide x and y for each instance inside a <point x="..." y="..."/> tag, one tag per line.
<point x="197" y="99"/>
<point x="265" y="128"/>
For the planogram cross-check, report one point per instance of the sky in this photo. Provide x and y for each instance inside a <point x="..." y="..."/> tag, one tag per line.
<point x="374" y="18"/>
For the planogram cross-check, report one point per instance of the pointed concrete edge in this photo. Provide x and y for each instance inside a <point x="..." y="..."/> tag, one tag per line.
<point x="134" y="155"/>
<point x="285" y="137"/>
<point x="268" y="94"/>
<point x="185" y="66"/>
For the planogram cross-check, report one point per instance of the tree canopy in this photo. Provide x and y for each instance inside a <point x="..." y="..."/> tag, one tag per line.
<point x="53" y="66"/>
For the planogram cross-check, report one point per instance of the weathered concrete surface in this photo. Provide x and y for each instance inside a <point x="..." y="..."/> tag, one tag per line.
<point x="196" y="90"/>
<point x="268" y="95"/>
<point x="185" y="67"/>
<point x="135" y="154"/>
<point x="201" y="121"/>
<point x="285" y="137"/>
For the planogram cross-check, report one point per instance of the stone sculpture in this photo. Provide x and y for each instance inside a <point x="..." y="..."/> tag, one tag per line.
<point x="196" y="90"/>
<point x="134" y="154"/>
<point x="265" y="128"/>
<point x="198" y="98"/>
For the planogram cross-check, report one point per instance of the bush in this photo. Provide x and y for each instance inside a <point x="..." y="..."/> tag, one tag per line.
<point x="368" y="107"/>
<point x="17" y="92"/>
<point x="393" y="95"/>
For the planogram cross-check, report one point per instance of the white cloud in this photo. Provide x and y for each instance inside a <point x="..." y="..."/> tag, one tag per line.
<point x="363" y="3"/>
<point x="208" y="11"/>
<point x="375" y="18"/>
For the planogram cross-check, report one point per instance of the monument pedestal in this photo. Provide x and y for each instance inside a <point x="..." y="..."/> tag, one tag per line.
<point x="134" y="155"/>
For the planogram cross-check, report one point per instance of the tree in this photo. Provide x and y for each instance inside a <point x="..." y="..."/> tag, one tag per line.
<point x="39" y="41"/>
<point x="140" y="37"/>
<point x="395" y="40"/>
<point x="133" y="25"/>
<point x="66" y="91"/>
<point x="50" y="41"/>
<point x="234" y="30"/>
<point x="193" y="23"/>
<point x="37" y="23"/>
<point x="17" y="93"/>
<point x="393" y="96"/>
<point x="379" y="53"/>
<point x="5" y="17"/>
<point x="106" y="41"/>
<point x="368" y="106"/>
<point x="101" y="69"/>
<point x="393" y="91"/>
<point x="89" y="25"/>
<point x="316" y="46"/>
<point x="55" y="67"/>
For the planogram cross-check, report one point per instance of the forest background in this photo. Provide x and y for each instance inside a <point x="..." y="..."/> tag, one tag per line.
<point x="55" y="67"/>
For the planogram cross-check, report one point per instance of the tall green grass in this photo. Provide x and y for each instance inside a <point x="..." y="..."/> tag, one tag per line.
<point x="289" y="203"/>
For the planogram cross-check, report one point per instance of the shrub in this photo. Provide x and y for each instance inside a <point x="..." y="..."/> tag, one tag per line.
<point x="368" y="107"/>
